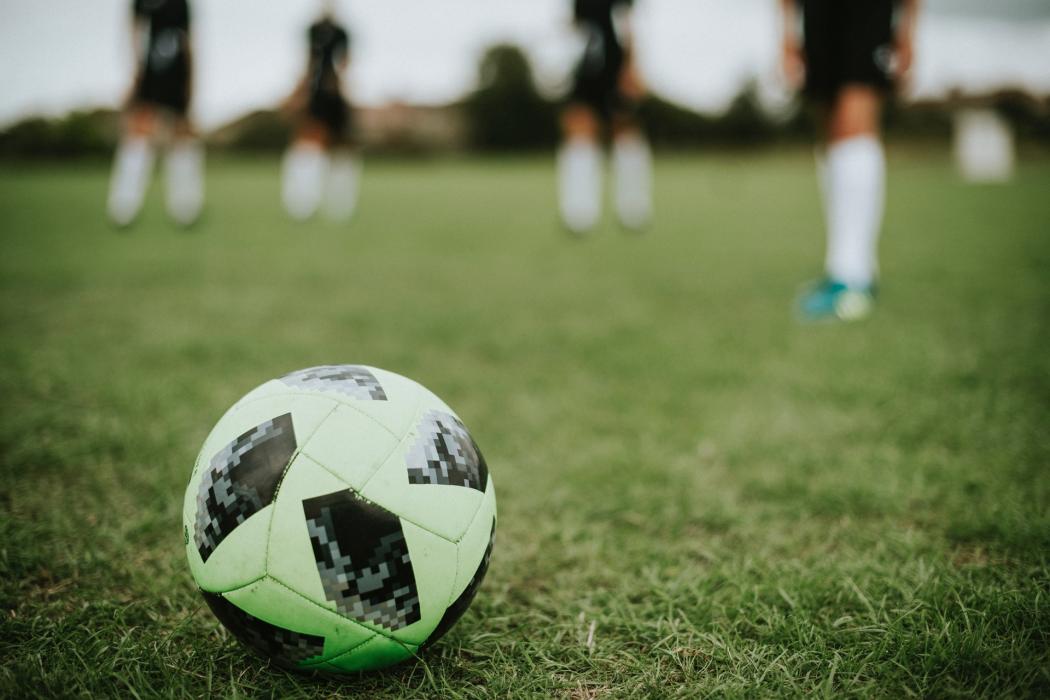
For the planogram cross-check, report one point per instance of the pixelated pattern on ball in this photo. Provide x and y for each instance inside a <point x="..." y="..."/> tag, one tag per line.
<point x="460" y="604"/>
<point x="444" y="453"/>
<point x="241" y="480"/>
<point x="350" y="380"/>
<point x="363" y="559"/>
<point x="284" y="646"/>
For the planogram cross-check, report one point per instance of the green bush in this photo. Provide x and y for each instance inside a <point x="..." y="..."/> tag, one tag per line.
<point x="85" y="133"/>
<point x="506" y="112"/>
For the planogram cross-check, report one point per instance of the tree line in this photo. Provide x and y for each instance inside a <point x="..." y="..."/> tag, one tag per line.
<point x="507" y="113"/>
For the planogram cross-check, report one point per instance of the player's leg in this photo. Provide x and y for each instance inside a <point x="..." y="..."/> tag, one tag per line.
<point x="184" y="171"/>
<point x="856" y="181"/>
<point x="344" y="174"/>
<point x="580" y="169"/>
<point x="344" y="179"/>
<point x="132" y="165"/>
<point x="304" y="170"/>
<point x="852" y="171"/>
<point x="633" y="170"/>
<point x="848" y="76"/>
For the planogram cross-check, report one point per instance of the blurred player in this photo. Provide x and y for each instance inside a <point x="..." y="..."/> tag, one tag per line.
<point x="849" y="56"/>
<point x="159" y="100"/>
<point x="319" y="164"/>
<point x="603" y="102"/>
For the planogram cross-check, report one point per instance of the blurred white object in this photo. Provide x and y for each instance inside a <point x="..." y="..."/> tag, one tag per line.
<point x="633" y="168"/>
<point x="184" y="167"/>
<point x="343" y="183"/>
<point x="580" y="184"/>
<point x="303" y="177"/>
<point x="984" y="146"/>
<point x="132" y="168"/>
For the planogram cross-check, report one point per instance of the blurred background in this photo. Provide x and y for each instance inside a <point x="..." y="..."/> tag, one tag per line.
<point x="468" y="74"/>
<point x="696" y="491"/>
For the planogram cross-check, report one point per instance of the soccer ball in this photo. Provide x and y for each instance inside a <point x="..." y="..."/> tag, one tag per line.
<point x="340" y="518"/>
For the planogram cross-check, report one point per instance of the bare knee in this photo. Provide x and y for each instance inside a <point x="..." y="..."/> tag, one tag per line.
<point x="625" y="126"/>
<point x="182" y="129"/>
<point x="855" y="112"/>
<point x="627" y="129"/>
<point x="315" y="133"/>
<point x="579" y="122"/>
<point x="141" y="122"/>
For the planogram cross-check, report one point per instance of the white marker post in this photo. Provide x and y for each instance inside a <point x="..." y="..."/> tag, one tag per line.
<point x="984" y="146"/>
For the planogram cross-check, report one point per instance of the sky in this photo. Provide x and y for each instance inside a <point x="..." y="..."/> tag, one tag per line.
<point x="57" y="55"/>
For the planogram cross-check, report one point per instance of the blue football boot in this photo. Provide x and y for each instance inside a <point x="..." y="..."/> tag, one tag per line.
<point x="831" y="300"/>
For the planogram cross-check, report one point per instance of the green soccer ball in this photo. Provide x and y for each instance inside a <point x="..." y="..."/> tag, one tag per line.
<point x="340" y="518"/>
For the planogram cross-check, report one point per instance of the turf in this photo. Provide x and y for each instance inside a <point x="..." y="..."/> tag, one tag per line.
<point x="698" y="496"/>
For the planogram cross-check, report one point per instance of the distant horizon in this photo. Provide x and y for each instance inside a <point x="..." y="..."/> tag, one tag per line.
<point x="696" y="53"/>
<point x="212" y="129"/>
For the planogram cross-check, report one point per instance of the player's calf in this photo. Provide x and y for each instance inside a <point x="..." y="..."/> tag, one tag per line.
<point x="580" y="184"/>
<point x="344" y="178"/>
<point x="303" y="177"/>
<point x="185" y="180"/>
<point x="132" y="169"/>
<point x="633" y="168"/>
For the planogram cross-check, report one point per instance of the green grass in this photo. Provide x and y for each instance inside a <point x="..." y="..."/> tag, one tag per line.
<point x="697" y="495"/>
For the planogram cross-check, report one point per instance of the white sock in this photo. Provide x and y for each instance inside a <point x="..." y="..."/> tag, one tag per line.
<point x="343" y="180"/>
<point x="580" y="184"/>
<point x="304" y="169"/>
<point x="856" y="183"/>
<point x="132" y="168"/>
<point x="185" y="179"/>
<point x="633" y="165"/>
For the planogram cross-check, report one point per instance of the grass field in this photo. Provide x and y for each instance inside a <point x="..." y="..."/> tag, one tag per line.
<point x="697" y="495"/>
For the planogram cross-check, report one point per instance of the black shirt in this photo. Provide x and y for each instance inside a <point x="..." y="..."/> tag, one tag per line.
<point x="329" y="45"/>
<point x="605" y="49"/>
<point x="599" y="14"/>
<point x="167" y="46"/>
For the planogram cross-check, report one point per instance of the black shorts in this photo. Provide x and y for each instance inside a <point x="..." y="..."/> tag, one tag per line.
<point x="599" y="89"/>
<point x="169" y="91"/>
<point x="847" y="41"/>
<point x="331" y="110"/>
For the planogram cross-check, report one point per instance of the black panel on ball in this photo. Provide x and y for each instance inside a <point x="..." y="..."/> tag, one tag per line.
<point x="282" y="646"/>
<point x="362" y="559"/>
<point x="241" y="480"/>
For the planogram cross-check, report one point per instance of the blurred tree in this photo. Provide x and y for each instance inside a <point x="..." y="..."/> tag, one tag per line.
<point x="262" y="131"/>
<point x="1029" y="116"/>
<point x="506" y="112"/>
<point x="743" y="123"/>
<point x="92" y="133"/>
